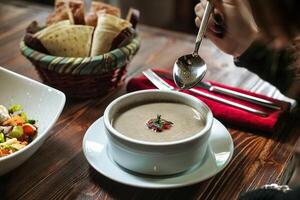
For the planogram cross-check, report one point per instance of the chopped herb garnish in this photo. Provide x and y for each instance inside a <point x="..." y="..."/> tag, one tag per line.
<point x="31" y="121"/>
<point x="158" y="124"/>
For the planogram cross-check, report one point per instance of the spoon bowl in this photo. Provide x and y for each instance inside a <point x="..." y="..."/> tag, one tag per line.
<point x="189" y="70"/>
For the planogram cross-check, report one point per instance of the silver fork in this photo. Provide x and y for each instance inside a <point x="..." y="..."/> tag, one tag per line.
<point x="162" y="85"/>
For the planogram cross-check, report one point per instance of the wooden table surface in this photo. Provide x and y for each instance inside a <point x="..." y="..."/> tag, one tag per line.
<point x="59" y="169"/>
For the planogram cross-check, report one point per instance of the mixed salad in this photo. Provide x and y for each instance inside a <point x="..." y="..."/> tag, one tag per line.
<point x="16" y="130"/>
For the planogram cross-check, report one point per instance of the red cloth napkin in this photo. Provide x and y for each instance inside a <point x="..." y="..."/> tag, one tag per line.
<point x="224" y="112"/>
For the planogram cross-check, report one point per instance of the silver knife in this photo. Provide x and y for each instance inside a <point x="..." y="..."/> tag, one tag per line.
<point x="238" y="95"/>
<point x="162" y="85"/>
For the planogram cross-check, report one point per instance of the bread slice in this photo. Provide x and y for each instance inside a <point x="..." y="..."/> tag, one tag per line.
<point x="72" y="10"/>
<point x="107" y="29"/>
<point x="97" y="8"/>
<point x="69" y="41"/>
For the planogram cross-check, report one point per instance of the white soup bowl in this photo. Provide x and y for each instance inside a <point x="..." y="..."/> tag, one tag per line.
<point x="153" y="158"/>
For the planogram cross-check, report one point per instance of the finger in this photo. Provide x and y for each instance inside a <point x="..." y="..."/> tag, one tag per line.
<point x="197" y="21"/>
<point x="199" y="10"/>
<point x="216" y="22"/>
<point x="211" y="26"/>
<point x="217" y="15"/>
<point x="198" y="7"/>
<point x="219" y="4"/>
<point x="218" y="18"/>
<point x="203" y="4"/>
<point x="200" y="13"/>
<point x="217" y="25"/>
<point x="219" y="31"/>
<point x="210" y="30"/>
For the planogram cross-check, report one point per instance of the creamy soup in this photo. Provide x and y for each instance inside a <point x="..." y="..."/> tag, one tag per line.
<point x="133" y="122"/>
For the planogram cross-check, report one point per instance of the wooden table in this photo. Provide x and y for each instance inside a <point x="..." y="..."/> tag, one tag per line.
<point x="59" y="169"/>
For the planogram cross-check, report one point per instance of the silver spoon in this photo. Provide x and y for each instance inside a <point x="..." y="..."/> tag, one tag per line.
<point x="190" y="69"/>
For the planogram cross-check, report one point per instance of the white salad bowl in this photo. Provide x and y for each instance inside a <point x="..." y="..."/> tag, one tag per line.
<point x="153" y="158"/>
<point x="40" y="102"/>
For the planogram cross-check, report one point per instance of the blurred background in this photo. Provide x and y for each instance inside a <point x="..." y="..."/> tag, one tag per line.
<point x="175" y="15"/>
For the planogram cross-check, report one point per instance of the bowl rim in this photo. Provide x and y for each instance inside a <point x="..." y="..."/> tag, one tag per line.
<point x="39" y="137"/>
<point x="136" y="40"/>
<point x="120" y="136"/>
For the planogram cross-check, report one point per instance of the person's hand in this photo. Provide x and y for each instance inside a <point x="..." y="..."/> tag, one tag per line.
<point x="228" y="29"/>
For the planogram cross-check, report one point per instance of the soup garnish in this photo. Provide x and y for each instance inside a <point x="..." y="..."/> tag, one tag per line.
<point x="158" y="124"/>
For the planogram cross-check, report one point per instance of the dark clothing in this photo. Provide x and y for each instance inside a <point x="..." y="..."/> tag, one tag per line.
<point x="270" y="194"/>
<point x="277" y="67"/>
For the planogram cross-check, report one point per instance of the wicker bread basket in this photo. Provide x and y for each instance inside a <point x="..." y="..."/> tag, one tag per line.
<point x="83" y="77"/>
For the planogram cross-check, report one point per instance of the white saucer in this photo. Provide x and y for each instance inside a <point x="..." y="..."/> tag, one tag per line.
<point x="217" y="157"/>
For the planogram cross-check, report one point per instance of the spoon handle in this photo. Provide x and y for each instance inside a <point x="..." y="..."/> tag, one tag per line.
<point x="203" y="25"/>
